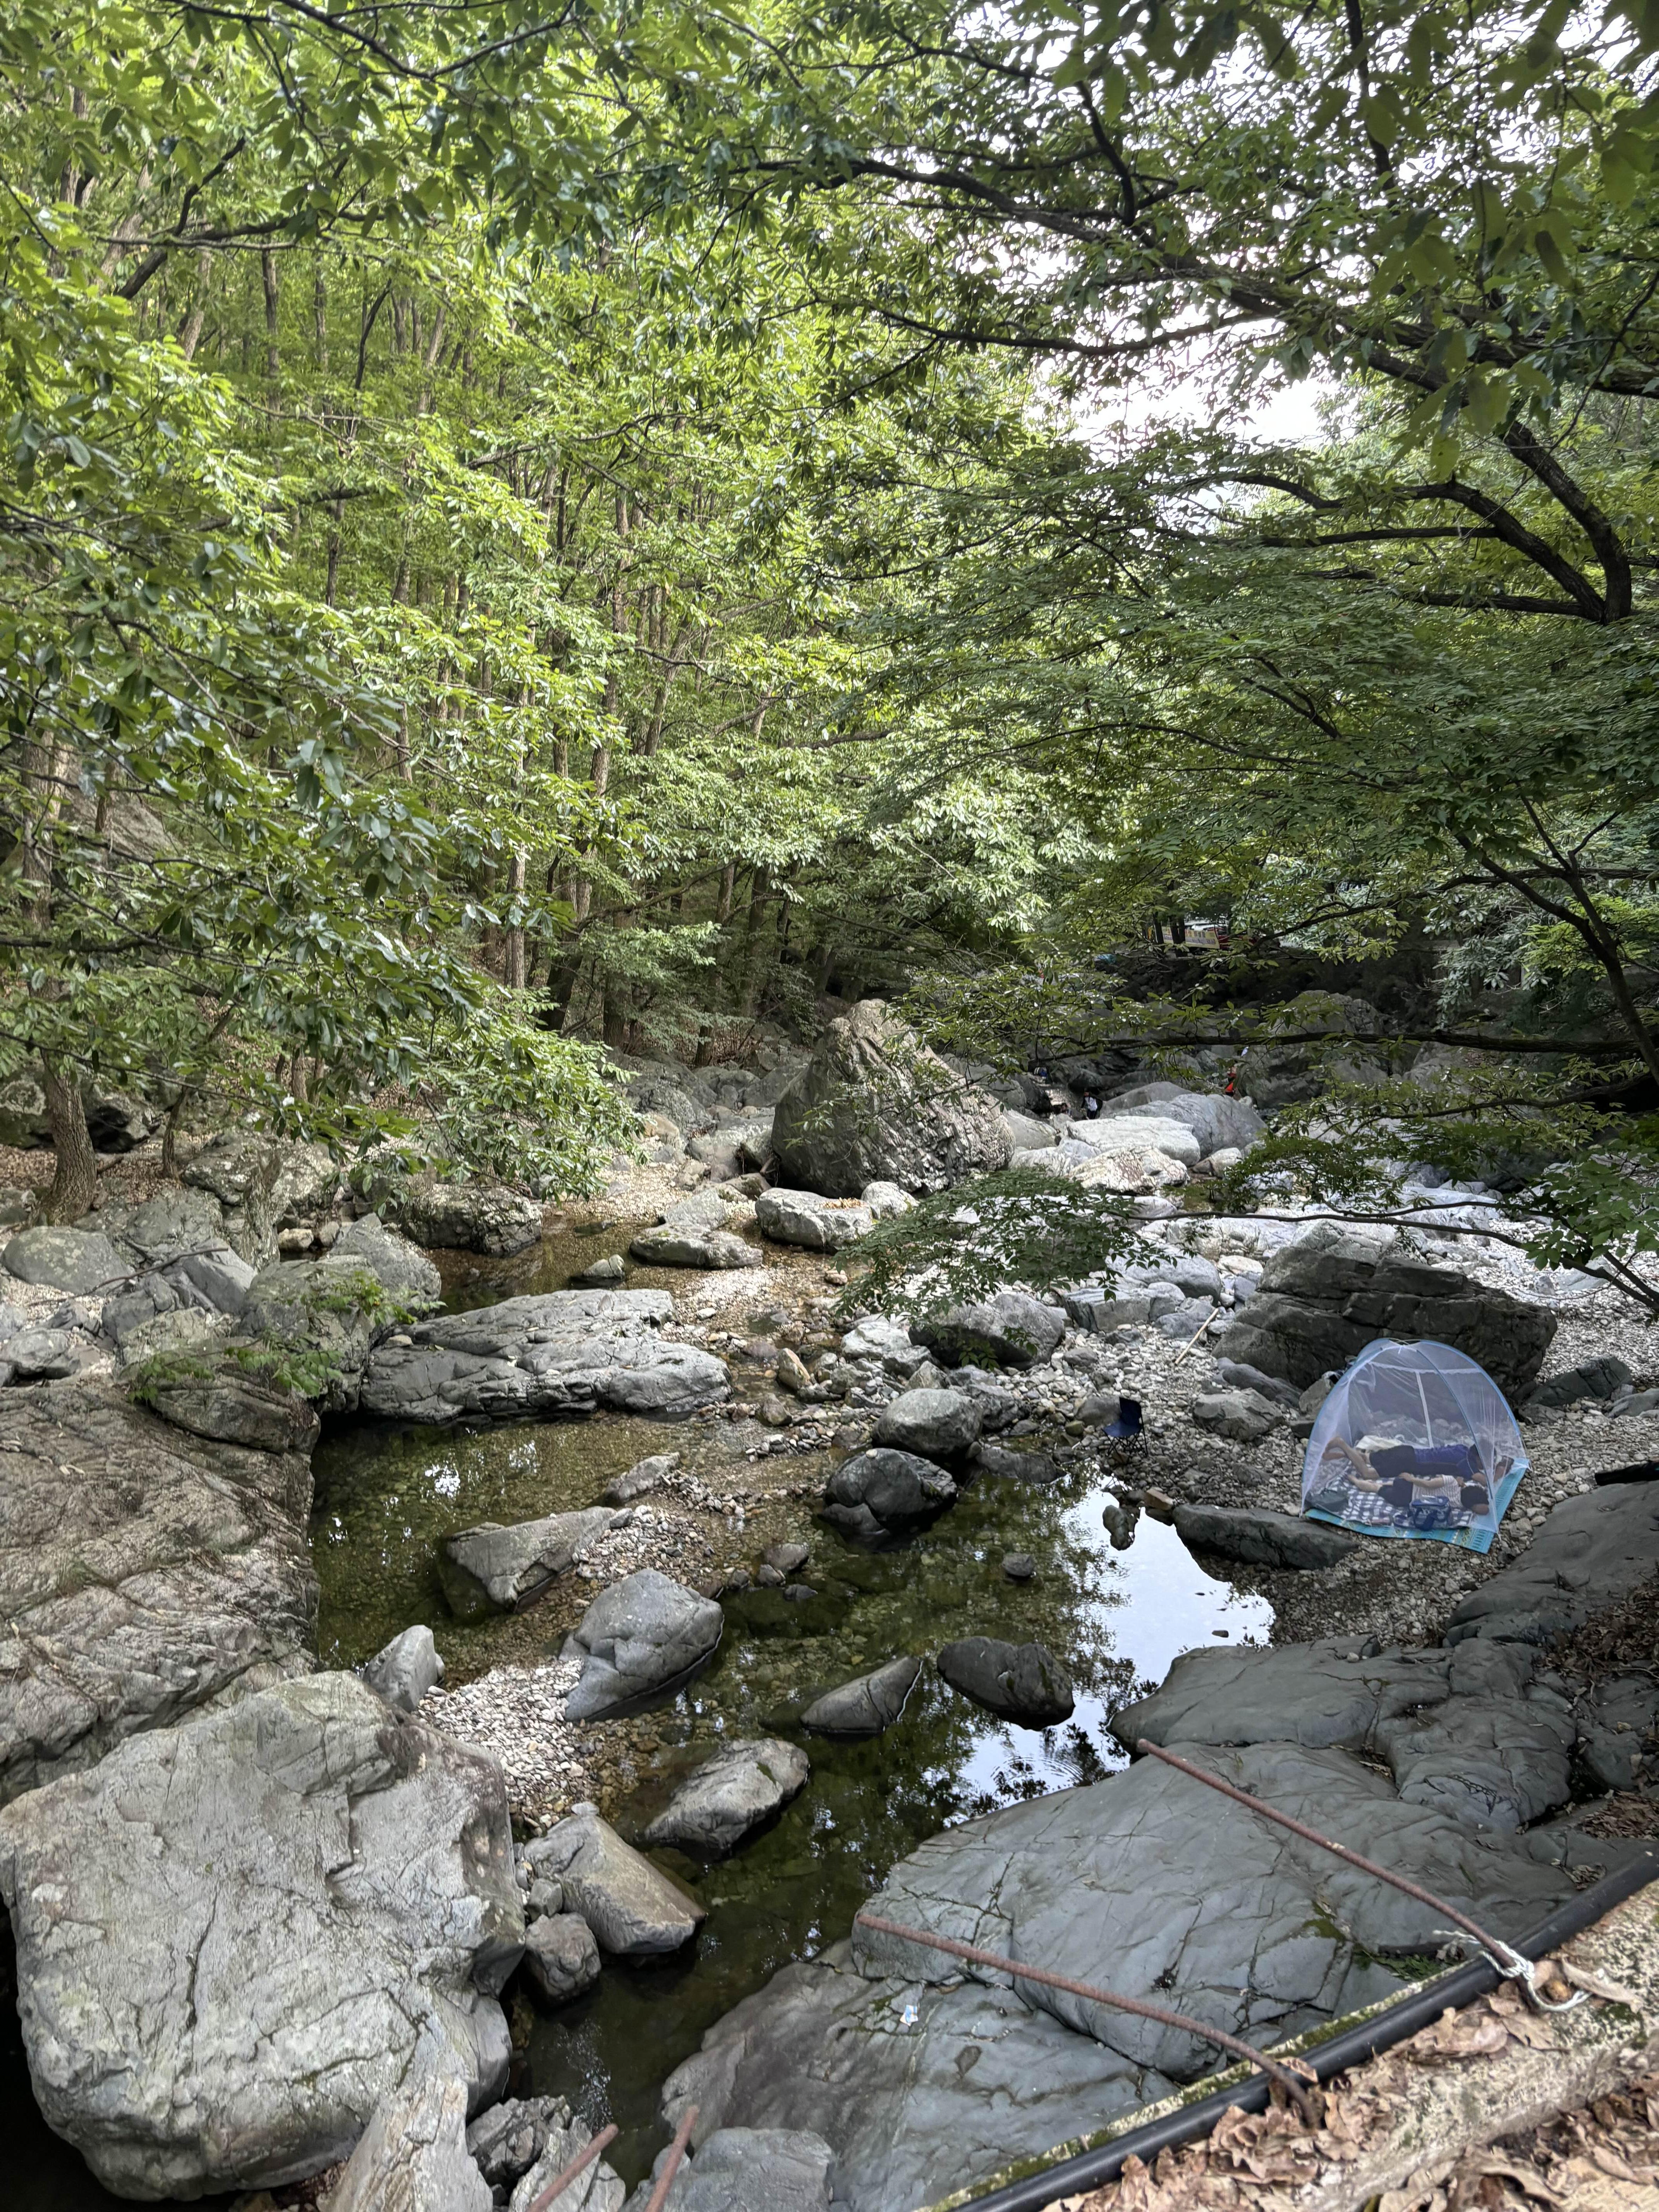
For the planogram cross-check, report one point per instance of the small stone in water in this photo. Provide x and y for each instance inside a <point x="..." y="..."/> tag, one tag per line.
<point x="1019" y="1566"/>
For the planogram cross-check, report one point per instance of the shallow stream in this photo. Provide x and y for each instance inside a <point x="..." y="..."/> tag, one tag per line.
<point x="386" y="1496"/>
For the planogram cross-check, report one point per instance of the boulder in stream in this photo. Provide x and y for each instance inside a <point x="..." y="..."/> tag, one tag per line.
<point x="878" y="1490"/>
<point x="495" y="1569"/>
<point x="743" y="1785"/>
<point x="866" y="1704"/>
<point x="630" y="1904"/>
<point x="561" y="1356"/>
<point x="235" y="1937"/>
<point x="1022" y="1682"/>
<point x="938" y="1424"/>
<point x="638" y="1640"/>
<point x="1262" y="1539"/>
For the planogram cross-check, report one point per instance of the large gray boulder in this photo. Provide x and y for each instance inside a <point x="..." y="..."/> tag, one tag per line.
<point x="638" y="1640"/>
<point x="1244" y="1417"/>
<point x="401" y="1268"/>
<point x="1592" y="1551"/>
<point x="211" y="1279"/>
<point x="1218" y="1122"/>
<point x="412" y="2156"/>
<point x="560" y="1958"/>
<point x="1261" y="1539"/>
<point x="141" y="1573"/>
<point x="314" y="1321"/>
<point x="715" y="1249"/>
<point x="630" y="1904"/>
<point x="1336" y="1289"/>
<point x="234" y="1938"/>
<point x="403" y="1671"/>
<point x="746" y="2170"/>
<point x="176" y="1223"/>
<point x="493" y="1569"/>
<point x="806" y="1218"/>
<point x="743" y="1785"/>
<point x="82" y="1261"/>
<point x="561" y="1356"/>
<point x="938" y="1424"/>
<point x="866" y="1704"/>
<point x="878" y="1489"/>
<point x="875" y="1105"/>
<point x="465" y="1216"/>
<point x="264" y="1183"/>
<point x="1012" y="1329"/>
<point x="1147" y="1882"/>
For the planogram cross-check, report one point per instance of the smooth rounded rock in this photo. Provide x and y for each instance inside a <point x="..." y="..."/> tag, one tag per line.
<point x="807" y="1218"/>
<point x="893" y="1489"/>
<point x="403" y="1671"/>
<point x="639" y="1639"/>
<point x="938" y="1424"/>
<point x="866" y="1704"/>
<point x="1012" y="1329"/>
<point x="743" y="1785"/>
<point x="1022" y="1682"/>
<point x="560" y="1958"/>
<point x="79" y="1260"/>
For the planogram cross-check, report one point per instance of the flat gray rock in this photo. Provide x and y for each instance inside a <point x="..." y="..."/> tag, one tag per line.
<point x="746" y="2170"/>
<point x="82" y="1261"/>
<point x="561" y="1356"/>
<point x="1243" y="1416"/>
<point x="639" y="1639"/>
<point x="711" y="1249"/>
<point x="495" y="1569"/>
<point x="630" y="1904"/>
<point x="213" y="1398"/>
<point x="167" y="1227"/>
<point x="1315" y="1694"/>
<point x="743" y="1785"/>
<point x="142" y="1572"/>
<point x="1011" y="1329"/>
<point x="1261" y="1539"/>
<point x="412" y="2156"/>
<point x="1591" y="1552"/>
<point x="890" y="1489"/>
<point x="866" y="1704"/>
<point x="560" y="1957"/>
<point x="938" y="1424"/>
<point x="403" y="1671"/>
<point x="234" y="1938"/>
<point x="1036" y="1468"/>
<point x="1022" y="1682"/>
<point x="1493" y="1762"/>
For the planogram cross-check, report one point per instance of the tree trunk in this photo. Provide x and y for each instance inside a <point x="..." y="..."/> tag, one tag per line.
<point x="512" y="970"/>
<point x="75" y="1183"/>
<point x="268" y="276"/>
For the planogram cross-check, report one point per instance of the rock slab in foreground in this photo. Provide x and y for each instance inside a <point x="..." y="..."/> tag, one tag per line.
<point x="558" y="1356"/>
<point x="236" y="1937"/>
<point x="1591" y="1552"/>
<point x="875" y="1105"/>
<point x="743" y="1785"/>
<point x="142" y="1572"/>
<point x="630" y="1906"/>
<point x="746" y="2170"/>
<point x="639" y="1638"/>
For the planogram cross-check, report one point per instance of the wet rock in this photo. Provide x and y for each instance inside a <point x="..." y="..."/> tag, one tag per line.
<point x="643" y="1477"/>
<point x="938" y="1424"/>
<point x="1011" y="1329"/>
<point x="1120" y="1517"/>
<point x="804" y="1217"/>
<point x="565" y="1354"/>
<point x="324" y="1891"/>
<point x="875" y="1105"/>
<point x="630" y="1904"/>
<point x="402" y="1268"/>
<point x="413" y="2156"/>
<point x="1034" y="1467"/>
<point x="596" y="1276"/>
<point x="82" y="1261"/>
<point x="794" y="1375"/>
<point x="1261" y="1539"/>
<point x="746" y="2170"/>
<point x="403" y="1671"/>
<point x="1022" y="1682"/>
<point x="1336" y="1289"/>
<point x="491" y="1568"/>
<point x="638" y="1640"/>
<point x="560" y="1958"/>
<point x="743" y="1785"/>
<point x="1591" y="1552"/>
<point x="866" y="1704"/>
<point x="142" y="1572"/>
<point x="881" y="1489"/>
<point x="465" y="1217"/>
<point x="1019" y="1566"/>
<point x="787" y="1557"/>
<point x="1328" y="1692"/>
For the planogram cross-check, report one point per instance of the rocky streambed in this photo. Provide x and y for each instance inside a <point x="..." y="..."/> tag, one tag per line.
<point x="151" y="1572"/>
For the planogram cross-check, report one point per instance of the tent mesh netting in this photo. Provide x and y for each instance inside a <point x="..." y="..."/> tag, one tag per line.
<point x="1414" y="1440"/>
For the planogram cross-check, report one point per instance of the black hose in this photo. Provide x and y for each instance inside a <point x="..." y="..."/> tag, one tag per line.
<point x="1419" y="2008"/>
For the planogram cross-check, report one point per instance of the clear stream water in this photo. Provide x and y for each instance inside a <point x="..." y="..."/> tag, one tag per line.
<point x="386" y="1496"/>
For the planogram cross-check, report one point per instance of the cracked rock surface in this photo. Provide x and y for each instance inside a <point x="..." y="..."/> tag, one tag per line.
<point x="236" y="1937"/>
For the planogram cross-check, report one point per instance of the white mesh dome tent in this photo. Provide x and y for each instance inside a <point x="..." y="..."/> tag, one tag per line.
<point x="1414" y="1440"/>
